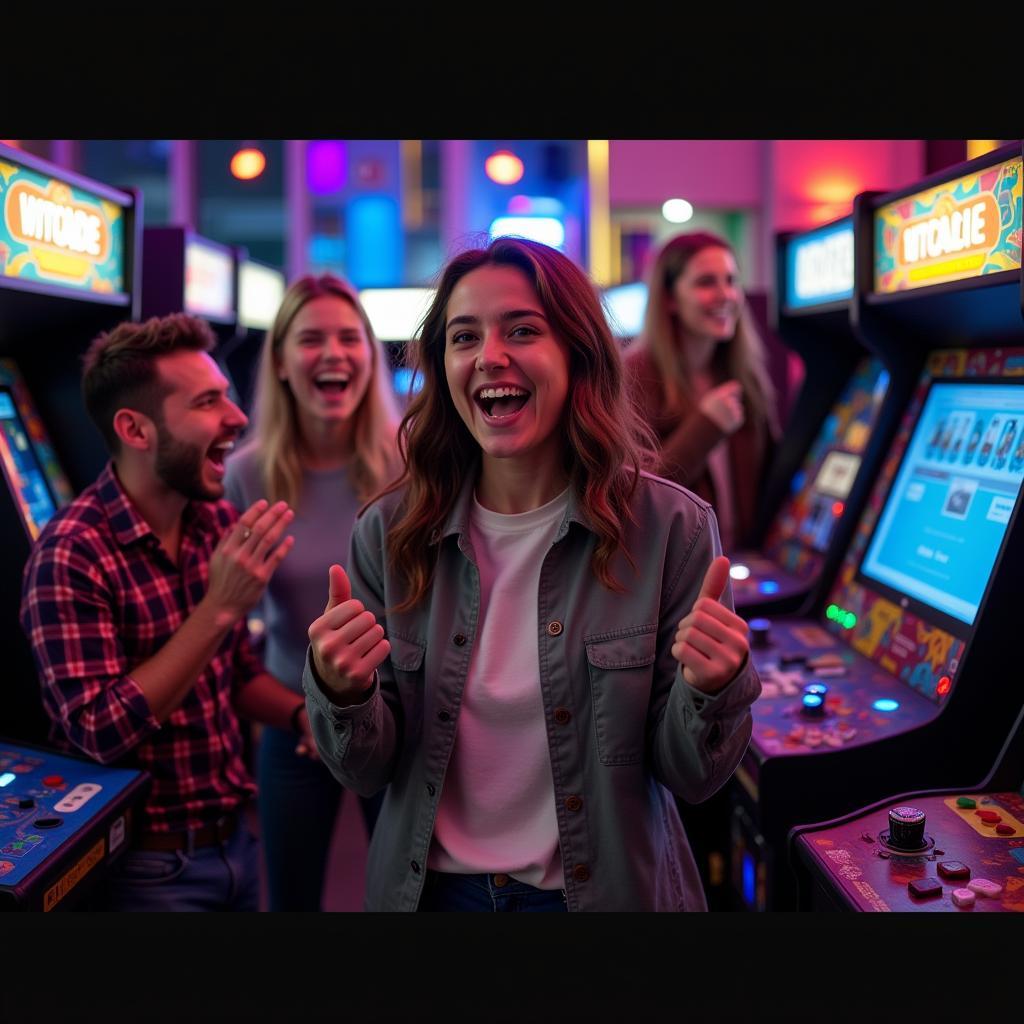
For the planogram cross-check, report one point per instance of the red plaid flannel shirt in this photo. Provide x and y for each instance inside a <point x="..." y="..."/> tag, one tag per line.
<point x="100" y="596"/>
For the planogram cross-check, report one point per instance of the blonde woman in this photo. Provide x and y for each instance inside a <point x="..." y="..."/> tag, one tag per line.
<point x="698" y="376"/>
<point x="323" y="440"/>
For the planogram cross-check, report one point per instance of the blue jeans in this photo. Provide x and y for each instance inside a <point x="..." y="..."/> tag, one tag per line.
<point x="443" y="891"/>
<point x="299" y="801"/>
<point x="225" y="876"/>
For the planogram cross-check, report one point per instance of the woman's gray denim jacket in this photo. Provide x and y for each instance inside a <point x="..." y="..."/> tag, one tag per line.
<point x="625" y="731"/>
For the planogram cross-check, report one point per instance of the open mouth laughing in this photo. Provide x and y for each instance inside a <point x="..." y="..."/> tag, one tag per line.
<point x="334" y="384"/>
<point x="217" y="454"/>
<point x="500" y="403"/>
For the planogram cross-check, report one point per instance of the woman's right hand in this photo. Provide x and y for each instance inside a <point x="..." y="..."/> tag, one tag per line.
<point x="347" y="641"/>
<point x="724" y="405"/>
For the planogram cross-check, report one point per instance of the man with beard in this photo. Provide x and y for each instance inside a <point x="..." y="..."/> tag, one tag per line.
<point x="135" y="599"/>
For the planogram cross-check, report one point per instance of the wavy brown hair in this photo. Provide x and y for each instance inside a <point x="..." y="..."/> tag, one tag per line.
<point x="275" y="430"/>
<point x="742" y="358"/>
<point x="606" y="443"/>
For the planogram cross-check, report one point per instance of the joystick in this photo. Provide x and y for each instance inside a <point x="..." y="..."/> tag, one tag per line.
<point x="906" y="828"/>
<point x="760" y="632"/>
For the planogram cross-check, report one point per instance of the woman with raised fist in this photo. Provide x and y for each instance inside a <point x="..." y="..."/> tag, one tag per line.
<point x="697" y="373"/>
<point x="533" y="645"/>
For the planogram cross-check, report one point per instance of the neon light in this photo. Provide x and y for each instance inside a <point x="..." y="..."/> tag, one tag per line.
<point x="374" y="241"/>
<point x="396" y="313"/>
<point x="504" y="167"/>
<point x="768" y="587"/>
<point x="677" y="211"/>
<point x="885" y="704"/>
<point x="7" y="778"/>
<point x="548" y="230"/>
<point x="406" y="383"/>
<point x="326" y="166"/>
<point x="837" y="508"/>
<point x="247" y="164"/>
<point x="539" y="206"/>
<point x="739" y="571"/>
<point x="944" y="686"/>
<point x="832" y="612"/>
<point x="749" y="876"/>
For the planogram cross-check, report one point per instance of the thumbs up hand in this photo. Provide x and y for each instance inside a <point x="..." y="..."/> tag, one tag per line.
<point x="711" y="641"/>
<point x="347" y="641"/>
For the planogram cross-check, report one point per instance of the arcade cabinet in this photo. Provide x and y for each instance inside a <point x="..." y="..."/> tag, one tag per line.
<point x="185" y="273"/>
<point x="68" y="271"/>
<point x="260" y="289"/>
<point x="958" y="850"/>
<point x="899" y="681"/>
<point x="819" y="478"/>
<point x="63" y="820"/>
<point x="812" y="497"/>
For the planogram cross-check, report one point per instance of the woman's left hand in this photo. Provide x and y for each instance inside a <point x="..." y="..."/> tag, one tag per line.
<point x="711" y="641"/>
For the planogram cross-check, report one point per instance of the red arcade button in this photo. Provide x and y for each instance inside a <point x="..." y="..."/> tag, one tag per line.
<point x="53" y="781"/>
<point x="1005" y="830"/>
<point x="989" y="817"/>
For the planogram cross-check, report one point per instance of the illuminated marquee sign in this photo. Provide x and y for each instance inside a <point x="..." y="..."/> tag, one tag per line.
<point x="260" y="291"/>
<point x="819" y="266"/>
<point x="54" y="233"/>
<point x="209" y="281"/>
<point x="964" y="228"/>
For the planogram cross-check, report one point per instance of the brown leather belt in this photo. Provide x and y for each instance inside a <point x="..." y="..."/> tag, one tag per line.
<point x="207" y="835"/>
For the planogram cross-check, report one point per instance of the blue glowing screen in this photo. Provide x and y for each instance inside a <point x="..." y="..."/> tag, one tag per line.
<point x="945" y="516"/>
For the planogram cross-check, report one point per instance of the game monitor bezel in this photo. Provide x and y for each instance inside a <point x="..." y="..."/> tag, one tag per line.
<point x="16" y="497"/>
<point x="921" y="609"/>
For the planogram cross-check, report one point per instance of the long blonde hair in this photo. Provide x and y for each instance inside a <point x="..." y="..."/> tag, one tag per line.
<point x="607" y="444"/>
<point x="275" y="428"/>
<point x="742" y="358"/>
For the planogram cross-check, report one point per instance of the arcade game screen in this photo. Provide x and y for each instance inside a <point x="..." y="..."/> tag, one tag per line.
<point x="820" y="489"/>
<point x="828" y="492"/>
<point x="25" y="477"/>
<point x="947" y="512"/>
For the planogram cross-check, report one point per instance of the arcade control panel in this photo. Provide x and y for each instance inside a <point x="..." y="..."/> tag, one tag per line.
<point x="757" y="580"/>
<point x="817" y="693"/>
<point x="62" y="820"/>
<point x="953" y="852"/>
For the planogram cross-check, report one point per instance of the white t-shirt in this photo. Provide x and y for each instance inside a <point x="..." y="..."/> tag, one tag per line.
<point x="497" y="807"/>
